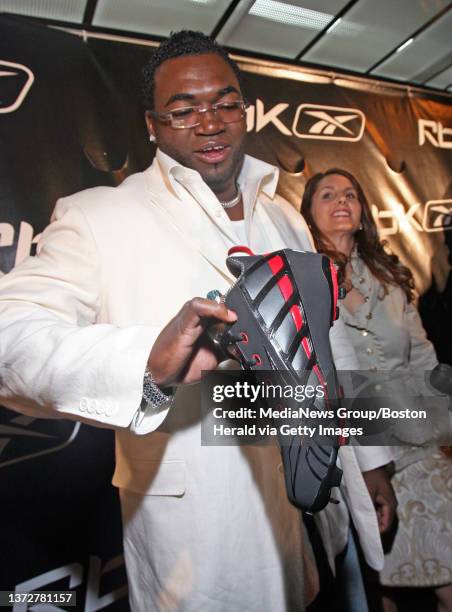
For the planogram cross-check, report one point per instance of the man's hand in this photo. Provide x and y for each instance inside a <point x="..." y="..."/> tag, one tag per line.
<point x="383" y="497"/>
<point x="180" y="354"/>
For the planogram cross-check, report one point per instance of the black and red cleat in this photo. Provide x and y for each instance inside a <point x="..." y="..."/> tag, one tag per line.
<point x="286" y="302"/>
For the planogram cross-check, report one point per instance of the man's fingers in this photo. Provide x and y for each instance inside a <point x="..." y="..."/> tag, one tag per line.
<point x="384" y="513"/>
<point x="199" y="308"/>
<point x="382" y="495"/>
<point x="176" y="353"/>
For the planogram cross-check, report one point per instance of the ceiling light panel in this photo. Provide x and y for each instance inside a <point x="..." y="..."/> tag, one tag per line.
<point x="60" y="10"/>
<point x="290" y="14"/>
<point x="281" y="28"/>
<point x="429" y="47"/>
<point x="159" y="17"/>
<point x="443" y="80"/>
<point x="369" y="30"/>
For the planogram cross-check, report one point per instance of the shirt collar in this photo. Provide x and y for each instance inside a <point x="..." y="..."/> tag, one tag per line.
<point x="358" y="265"/>
<point x="354" y="252"/>
<point x="175" y="174"/>
<point x="255" y="176"/>
<point x="258" y="174"/>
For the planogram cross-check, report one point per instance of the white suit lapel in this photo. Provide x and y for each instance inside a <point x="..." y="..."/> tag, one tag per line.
<point x="195" y="220"/>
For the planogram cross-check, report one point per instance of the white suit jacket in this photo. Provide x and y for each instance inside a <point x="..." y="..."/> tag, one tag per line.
<point x="77" y="323"/>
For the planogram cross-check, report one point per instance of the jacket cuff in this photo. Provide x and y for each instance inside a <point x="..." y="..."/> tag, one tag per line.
<point x="372" y="457"/>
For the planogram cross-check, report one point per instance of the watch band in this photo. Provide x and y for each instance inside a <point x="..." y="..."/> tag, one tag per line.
<point x="152" y="394"/>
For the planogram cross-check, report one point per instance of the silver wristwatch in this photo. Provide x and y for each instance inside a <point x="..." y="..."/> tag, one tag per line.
<point x="152" y="394"/>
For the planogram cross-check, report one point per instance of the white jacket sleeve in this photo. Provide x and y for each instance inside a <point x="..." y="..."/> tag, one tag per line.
<point x="55" y="359"/>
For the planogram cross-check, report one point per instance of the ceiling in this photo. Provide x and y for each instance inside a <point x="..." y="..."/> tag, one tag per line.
<point x="409" y="41"/>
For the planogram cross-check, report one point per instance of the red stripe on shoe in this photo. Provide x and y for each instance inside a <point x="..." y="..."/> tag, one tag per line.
<point x="296" y="316"/>
<point x="285" y="287"/>
<point x="321" y="380"/>
<point x="307" y="348"/>
<point x="276" y="264"/>
<point x="335" y="289"/>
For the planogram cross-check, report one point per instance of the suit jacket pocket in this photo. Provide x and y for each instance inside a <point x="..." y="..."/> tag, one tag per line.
<point x="151" y="477"/>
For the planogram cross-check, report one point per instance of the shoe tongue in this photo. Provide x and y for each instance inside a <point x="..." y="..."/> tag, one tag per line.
<point x="235" y="265"/>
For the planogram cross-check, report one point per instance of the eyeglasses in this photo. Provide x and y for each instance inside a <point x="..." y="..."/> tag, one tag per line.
<point x="190" y="116"/>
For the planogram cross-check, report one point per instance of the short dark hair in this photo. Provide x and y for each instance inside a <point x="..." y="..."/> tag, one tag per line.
<point x="185" y="42"/>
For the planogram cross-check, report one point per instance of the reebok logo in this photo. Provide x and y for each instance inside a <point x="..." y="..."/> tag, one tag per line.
<point x="15" y="83"/>
<point x="435" y="133"/>
<point x="314" y="121"/>
<point x="329" y="122"/>
<point x="437" y="215"/>
<point x="23" y="437"/>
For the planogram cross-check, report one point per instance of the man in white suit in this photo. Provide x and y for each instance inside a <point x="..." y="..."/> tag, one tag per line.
<point x="85" y="335"/>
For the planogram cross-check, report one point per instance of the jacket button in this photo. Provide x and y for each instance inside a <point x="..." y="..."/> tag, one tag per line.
<point x="365" y="333"/>
<point x="111" y="409"/>
<point x="100" y="408"/>
<point x="369" y="351"/>
<point x="83" y="405"/>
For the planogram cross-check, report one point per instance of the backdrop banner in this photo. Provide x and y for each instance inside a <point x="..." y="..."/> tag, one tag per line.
<point x="71" y="118"/>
